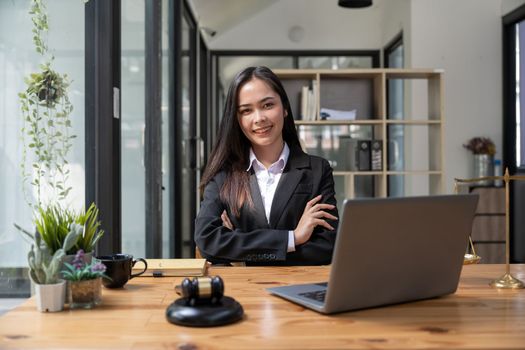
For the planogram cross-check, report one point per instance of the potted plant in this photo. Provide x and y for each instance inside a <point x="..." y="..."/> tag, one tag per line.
<point x="92" y="232"/>
<point x="85" y="281"/>
<point x="52" y="223"/>
<point x="481" y="145"/>
<point x="44" y="268"/>
<point x="483" y="150"/>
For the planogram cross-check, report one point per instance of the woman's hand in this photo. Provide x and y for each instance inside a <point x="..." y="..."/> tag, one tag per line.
<point x="226" y="220"/>
<point x="313" y="215"/>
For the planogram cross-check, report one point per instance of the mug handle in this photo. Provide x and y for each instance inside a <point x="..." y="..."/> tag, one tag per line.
<point x="139" y="273"/>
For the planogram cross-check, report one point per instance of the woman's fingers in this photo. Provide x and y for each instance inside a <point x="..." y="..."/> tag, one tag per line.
<point x="320" y="222"/>
<point x="226" y="220"/>
<point x="312" y="201"/>
<point x="322" y="206"/>
<point x="324" y="214"/>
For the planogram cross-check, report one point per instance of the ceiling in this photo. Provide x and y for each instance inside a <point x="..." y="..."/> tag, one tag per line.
<point x="223" y="15"/>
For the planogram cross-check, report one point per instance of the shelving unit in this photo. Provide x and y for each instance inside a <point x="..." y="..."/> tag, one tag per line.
<point x="365" y="90"/>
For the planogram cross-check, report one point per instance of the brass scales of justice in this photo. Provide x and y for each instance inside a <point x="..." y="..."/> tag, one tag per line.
<point x="507" y="281"/>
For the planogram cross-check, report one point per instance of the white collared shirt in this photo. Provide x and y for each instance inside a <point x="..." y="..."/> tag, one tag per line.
<point x="268" y="179"/>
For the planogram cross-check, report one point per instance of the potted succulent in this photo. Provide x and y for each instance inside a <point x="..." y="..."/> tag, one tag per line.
<point x="44" y="268"/>
<point x="483" y="151"/>
<point x="85" y="281"/>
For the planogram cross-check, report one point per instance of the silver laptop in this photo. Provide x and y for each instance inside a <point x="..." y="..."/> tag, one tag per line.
<point x="392" y="250"/>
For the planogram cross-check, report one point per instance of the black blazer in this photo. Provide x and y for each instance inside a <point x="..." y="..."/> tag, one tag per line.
<point x="255" y="241"/>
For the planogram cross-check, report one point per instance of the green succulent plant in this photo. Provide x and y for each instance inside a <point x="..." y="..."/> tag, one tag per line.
<point x="53" y="223"/>
<point x="92" y="232"/>
<point x="44" y="265"/>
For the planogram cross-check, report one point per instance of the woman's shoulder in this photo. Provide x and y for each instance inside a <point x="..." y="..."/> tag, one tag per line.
<point x="306" y="159"/>
<point x="317" y="161"/>
<point x="219" y="177"/>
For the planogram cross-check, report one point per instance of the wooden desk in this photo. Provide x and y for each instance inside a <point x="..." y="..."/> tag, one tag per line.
<point x="476" y="317"/>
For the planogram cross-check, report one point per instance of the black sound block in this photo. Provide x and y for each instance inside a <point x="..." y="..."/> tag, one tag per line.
<point x="226" y="311"/>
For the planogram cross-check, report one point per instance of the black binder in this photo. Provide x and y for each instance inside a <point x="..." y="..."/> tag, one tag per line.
<point x="376" y="154"/>
<point x="363" y="155"/>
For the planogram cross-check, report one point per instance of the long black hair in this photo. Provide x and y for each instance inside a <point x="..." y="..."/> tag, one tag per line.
<point x="232" y="148"/>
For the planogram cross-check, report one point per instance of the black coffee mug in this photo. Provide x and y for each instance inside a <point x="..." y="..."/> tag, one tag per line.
<point x="118" y="268"/>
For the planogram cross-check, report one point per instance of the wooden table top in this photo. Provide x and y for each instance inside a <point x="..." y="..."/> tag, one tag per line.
<point x="476" y="317"/>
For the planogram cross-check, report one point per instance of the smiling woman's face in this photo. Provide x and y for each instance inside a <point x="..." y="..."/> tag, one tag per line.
<point x="261" y="115"/>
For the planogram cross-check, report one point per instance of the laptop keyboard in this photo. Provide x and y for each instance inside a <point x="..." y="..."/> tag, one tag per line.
<point x="318" y="295"/>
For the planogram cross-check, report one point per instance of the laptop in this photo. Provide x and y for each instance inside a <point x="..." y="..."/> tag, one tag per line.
<point x="392" y="250"/>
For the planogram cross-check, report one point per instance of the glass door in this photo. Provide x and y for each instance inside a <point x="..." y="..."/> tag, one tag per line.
<point x="158" y="127"/>
<point x="395" y="110"/>
<point x="133" y="76"/>
<point x="189" y="143"/>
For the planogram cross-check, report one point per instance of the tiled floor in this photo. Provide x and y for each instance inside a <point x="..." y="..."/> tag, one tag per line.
<point x="7" y="304"/>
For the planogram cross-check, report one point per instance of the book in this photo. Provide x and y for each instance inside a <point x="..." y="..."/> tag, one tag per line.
<point x="173" y="267"/>
<point x="313" y="96"/>
<point x="304" y="103"/>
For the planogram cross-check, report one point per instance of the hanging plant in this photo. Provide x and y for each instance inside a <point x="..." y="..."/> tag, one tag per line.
<point x="49" y="86"/>
<point x="46" y="131"/>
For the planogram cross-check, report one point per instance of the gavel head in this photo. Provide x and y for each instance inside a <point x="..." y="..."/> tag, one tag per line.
<point x="202" y="288"/>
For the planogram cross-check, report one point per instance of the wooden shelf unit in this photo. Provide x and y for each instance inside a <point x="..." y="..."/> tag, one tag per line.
<point x="365" y="90"/>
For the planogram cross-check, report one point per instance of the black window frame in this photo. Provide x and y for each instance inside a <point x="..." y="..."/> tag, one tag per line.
<point x="102" y="127"/>
<point x="509" y="107"/>
<point x="517" y="188"/>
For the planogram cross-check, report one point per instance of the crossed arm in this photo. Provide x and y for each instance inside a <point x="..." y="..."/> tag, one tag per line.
<point x="221" y="238"/>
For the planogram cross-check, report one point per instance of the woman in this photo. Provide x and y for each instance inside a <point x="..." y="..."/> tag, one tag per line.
<point x="266" y="202"/>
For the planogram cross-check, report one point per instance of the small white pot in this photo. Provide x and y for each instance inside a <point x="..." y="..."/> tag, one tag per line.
<point x="50" y="297"/>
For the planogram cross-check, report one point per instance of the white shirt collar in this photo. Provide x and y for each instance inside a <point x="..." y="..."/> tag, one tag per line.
<point x="283" y="159"/>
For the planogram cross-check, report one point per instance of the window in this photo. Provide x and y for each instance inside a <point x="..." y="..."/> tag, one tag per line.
<point x="394" y="58"/>
<point x="18" y="59"/>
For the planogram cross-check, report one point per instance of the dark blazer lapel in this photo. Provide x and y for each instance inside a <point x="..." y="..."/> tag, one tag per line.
<point x="258" y="212"/>
<point x="292" y="174"/>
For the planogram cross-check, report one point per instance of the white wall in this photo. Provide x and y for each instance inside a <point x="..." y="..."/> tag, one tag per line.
<point x="395" y="18"/>
<point x="466" y="43"/>
<point x="461" y="36"/>
<point x="510" y="5"/>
